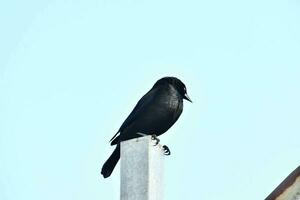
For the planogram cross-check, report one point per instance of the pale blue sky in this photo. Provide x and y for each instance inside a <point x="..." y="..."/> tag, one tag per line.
<point x="71" y="71"/>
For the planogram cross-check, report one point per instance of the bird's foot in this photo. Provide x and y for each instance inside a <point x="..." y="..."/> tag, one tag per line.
<point x="154" y="137"/>
<point x="166" y="149"/>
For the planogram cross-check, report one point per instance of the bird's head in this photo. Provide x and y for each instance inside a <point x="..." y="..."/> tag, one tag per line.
<point x="177" y="84"/>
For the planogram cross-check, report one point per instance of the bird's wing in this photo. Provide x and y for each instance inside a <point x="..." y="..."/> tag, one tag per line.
<point x="141" y="105"/>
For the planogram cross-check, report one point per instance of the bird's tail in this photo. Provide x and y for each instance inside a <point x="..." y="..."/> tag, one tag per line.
<point x="111" y="162"/>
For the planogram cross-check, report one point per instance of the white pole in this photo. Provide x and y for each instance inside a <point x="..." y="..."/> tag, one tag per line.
<point x="141" y="169"/>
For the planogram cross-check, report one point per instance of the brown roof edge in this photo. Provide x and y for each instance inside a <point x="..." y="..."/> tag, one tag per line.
<point x="288" y="181"/>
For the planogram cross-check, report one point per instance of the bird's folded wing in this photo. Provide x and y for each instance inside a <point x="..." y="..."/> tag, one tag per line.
<point x="138" y="109"/>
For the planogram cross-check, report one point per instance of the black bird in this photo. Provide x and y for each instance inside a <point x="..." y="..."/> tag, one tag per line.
<point x="154" y="114"/>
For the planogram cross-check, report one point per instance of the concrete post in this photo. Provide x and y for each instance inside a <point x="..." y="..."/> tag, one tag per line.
<point x="141" y="169"/>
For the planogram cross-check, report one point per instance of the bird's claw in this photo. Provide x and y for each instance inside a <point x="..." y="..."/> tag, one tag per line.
<point x="154" y="137"/>
<point x="166" y="149"/>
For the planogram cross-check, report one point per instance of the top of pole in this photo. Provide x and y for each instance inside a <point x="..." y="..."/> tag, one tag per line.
<point x="141" y="169"/>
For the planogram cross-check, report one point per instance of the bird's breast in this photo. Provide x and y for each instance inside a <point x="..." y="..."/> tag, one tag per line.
<point x="170" y="107"/>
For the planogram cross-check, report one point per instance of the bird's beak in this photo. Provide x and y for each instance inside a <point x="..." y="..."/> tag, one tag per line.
<point x="187" y="98"/>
